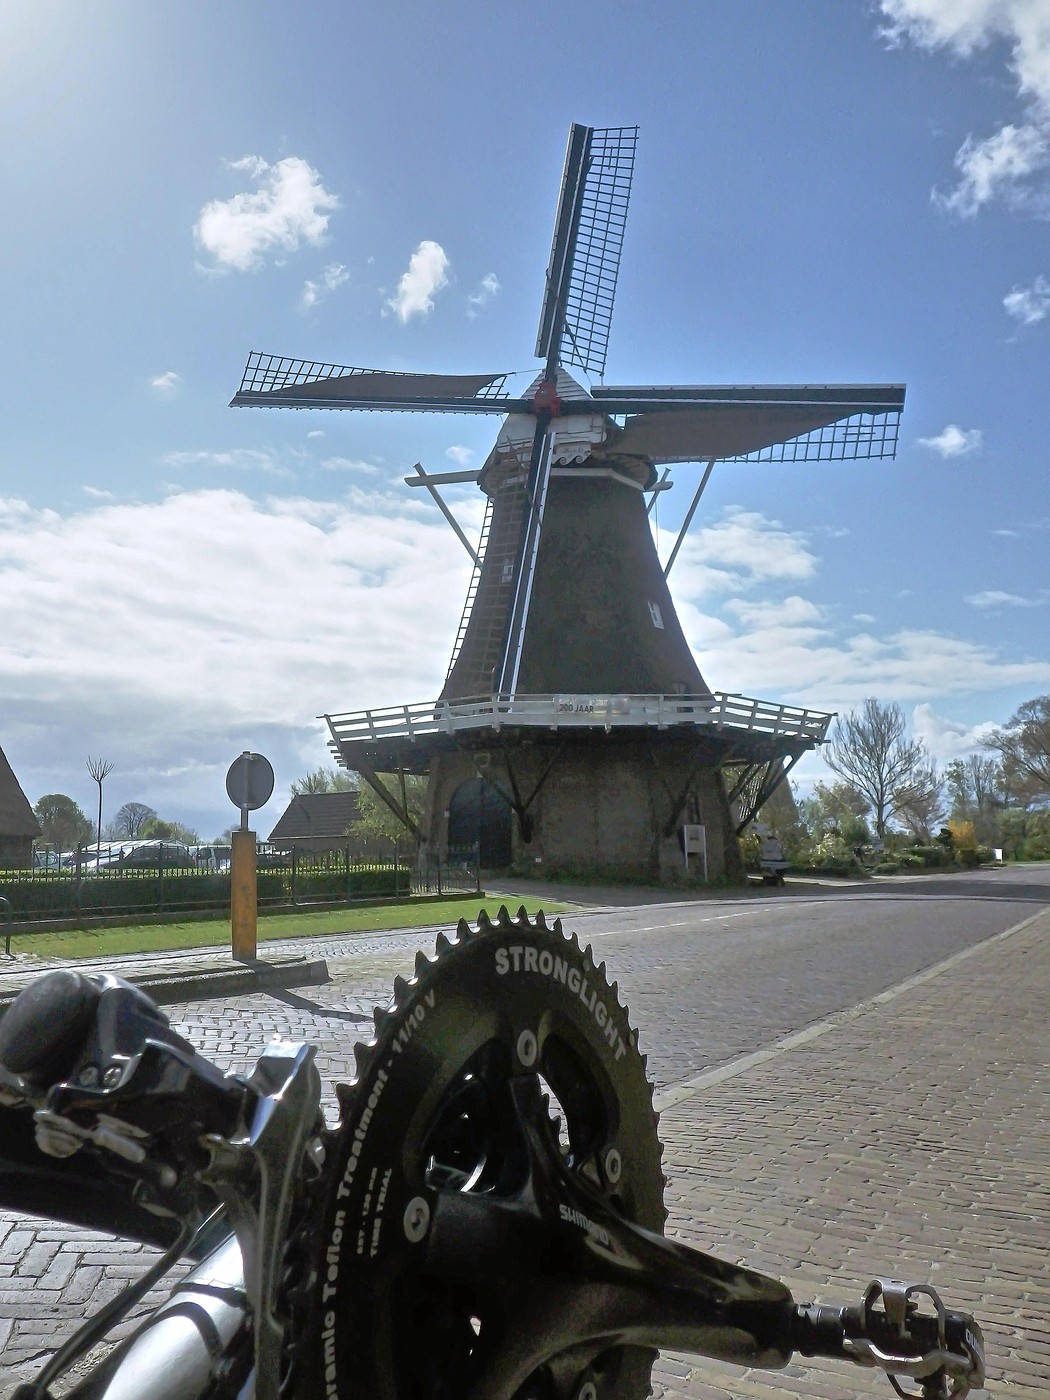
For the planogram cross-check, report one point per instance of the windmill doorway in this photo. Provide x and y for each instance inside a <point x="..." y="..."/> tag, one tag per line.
<point x="479" y="817"/>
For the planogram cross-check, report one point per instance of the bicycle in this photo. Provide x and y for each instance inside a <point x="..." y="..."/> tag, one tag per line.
<point x="484" y="1222"/>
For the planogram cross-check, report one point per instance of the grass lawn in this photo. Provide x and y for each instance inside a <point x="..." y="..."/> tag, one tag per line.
<point x="160" y="938"/>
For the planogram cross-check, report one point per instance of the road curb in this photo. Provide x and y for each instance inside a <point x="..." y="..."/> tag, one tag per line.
<point x="194" y="984"/>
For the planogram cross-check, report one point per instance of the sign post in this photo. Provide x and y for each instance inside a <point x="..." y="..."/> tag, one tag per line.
<point x="694" y="843"/>
<point x="249" y="784"/>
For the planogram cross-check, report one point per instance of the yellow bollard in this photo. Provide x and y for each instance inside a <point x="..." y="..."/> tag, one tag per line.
<point x="243" y="897"/>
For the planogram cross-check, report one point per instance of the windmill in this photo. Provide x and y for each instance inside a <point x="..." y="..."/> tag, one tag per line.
<point x="573" y="705"/>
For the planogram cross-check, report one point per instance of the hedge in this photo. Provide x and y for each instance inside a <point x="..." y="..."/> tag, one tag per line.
<point x="63" y="896"/>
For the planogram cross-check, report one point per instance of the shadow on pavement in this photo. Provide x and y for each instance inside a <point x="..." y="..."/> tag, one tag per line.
<point x="325" y="1012"/>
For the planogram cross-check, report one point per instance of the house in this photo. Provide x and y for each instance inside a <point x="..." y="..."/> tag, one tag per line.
<point x="18" y="826"/>
<point x="316" y="821"/>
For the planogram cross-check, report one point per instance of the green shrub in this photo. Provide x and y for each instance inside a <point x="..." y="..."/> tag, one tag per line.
<point x="968" y="857"/>
<point x="907" y="860"/>
<point x="933" y="856"/>
<point x="1036" y="847"/>
<point x="751" y="851"/>
<point x="61" y="896"/>
<point x="887" y="867"/>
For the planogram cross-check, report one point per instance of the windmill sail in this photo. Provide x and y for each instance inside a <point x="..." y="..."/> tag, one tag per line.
<point x="585" y="251"/>
<point x="281" y="381"/>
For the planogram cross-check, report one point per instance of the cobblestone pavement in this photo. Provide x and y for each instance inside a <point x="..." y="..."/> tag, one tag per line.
<point x="904" y="1141"/>
<point x="912" y="1142"/>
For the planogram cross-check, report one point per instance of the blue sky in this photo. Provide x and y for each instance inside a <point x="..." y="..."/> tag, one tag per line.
<point x="830" y="192"/>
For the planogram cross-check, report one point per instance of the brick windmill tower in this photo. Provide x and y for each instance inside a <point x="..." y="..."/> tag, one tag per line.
<point x="574" y="732"/>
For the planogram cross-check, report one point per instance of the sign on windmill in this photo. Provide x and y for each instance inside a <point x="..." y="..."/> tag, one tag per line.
<point x="249" y="785"/>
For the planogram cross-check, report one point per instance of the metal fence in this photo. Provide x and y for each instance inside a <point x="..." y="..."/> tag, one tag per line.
<point x="167" y="877"/>
<point x="458" y="873"/>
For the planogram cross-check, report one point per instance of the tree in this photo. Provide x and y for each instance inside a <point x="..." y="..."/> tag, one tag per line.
<point x="62" y="823"/>
<point x="977" y="791"/>
<point x="324" y="780"/>
<point x="837" y="807"/>
<point x="869" y="750"/>
<point x="920" y="801"/>
<point x="100" y="769"/>
<point x="780" y="811"/>
<point x="131" y="818"/>
<point x="1024" y="748"/>
<point x="375" y="819"/>
<point x="156" y="829"/>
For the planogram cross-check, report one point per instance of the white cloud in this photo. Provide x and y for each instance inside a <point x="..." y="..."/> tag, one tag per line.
<point x="792" y="611"/>
<point x="290" y="207"/>
<point x="1029" y="304"/>
<point x="954" y="441"/>
<point x="316" y="433"/>
<point x="350" y="464"/>
<point x="946" y="738"/>
<point x="241" y="459"/>
<point x="743" y="549"/>
<point x="817" y="667"/>
<point x="427" y="273"/>
<point x="167" y="385"/>
<point x="748" y="637"/>
<point x="97" y="494"/>
<point x="996" y="166"/>
<point x="996" y="598"/>
<point x="316" y="289"/>
<point x="1000" y="164"/>
<point x="462" y="456"/>
<point x="171" y="636"/>
<point x="488" y="288"/>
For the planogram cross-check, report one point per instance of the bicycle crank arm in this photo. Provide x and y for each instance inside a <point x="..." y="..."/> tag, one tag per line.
<point x="570" y="1273"/>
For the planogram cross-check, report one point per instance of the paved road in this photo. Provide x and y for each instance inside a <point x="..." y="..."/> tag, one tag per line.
<point x="707" y="982"/>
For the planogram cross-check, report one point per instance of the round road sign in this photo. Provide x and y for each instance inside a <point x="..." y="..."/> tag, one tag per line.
<point x="249" y="782"/>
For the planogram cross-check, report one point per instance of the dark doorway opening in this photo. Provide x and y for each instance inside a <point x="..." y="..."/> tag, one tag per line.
<point x="480" y="817"/>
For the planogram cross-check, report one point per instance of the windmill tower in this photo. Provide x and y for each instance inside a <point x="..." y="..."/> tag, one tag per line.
<point x="574" y="731"/>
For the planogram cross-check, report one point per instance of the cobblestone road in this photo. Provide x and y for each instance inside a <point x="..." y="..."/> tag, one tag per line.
<point x="830" y="1162"/>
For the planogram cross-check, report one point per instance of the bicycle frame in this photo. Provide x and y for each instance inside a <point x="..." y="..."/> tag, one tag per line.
<point x="222" y="1330"/>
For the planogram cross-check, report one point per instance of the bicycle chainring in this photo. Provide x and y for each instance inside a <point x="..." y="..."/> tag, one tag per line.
<point x="431" y="1112"/>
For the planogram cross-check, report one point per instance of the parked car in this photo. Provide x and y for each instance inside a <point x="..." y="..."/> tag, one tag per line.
<point x="90" y="857"/>
<point x="167" y="855"/>
<point x="213" y="858"/>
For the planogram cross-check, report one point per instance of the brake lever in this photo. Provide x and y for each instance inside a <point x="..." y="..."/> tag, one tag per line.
<point x="956" y="1357"/>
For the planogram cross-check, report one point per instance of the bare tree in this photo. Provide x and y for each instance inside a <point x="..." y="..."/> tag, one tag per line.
<point x="869" y="750"/>
<point x="131" y="818"/>
<point x="1024" y="745"/>
<point x="978" y="792"/>
<point x="919" y="801"/>
<point x="100" y="769"/>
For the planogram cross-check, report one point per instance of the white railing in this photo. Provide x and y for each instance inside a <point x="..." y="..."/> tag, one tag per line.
<point x="554" y="712"/>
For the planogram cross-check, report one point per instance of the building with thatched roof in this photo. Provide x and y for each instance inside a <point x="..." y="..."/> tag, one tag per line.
<point x="18" y="827"/>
